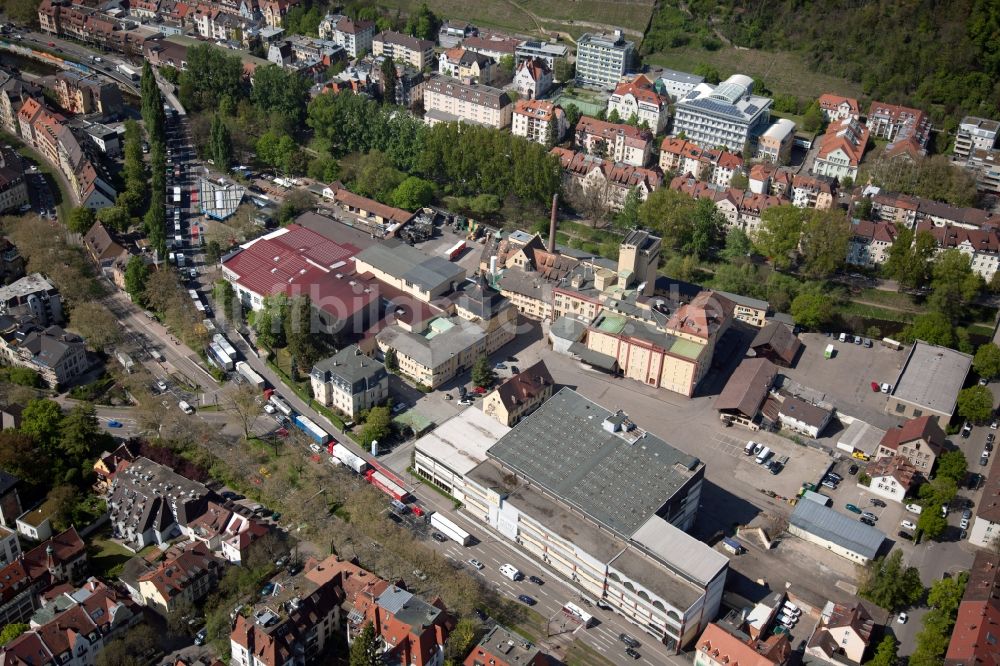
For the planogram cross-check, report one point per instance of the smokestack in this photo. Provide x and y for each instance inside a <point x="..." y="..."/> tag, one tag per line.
<point x="552" y="223"/>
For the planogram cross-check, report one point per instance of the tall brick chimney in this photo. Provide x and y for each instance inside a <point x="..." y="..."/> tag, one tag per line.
<point x="552" y="223"/>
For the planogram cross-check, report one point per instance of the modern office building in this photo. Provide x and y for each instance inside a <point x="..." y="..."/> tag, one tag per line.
<point x="601" y="502"/>
<point x="727" y="115"/>
<point x="602" y="59"/>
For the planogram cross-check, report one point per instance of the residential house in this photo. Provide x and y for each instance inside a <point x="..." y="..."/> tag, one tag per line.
<point x="552" y="53"/>
<point x="411" y="630"/>
<point x="637" y="99"/>
<point x="722" y="644"/>
<point x="60" y="559"/>
<point x="56" y="355"/>
<point x="676" y="85"/>
<point x="13" y="196"/>
<point x="350" y="382"/>
<point x="183" y="577"/>
<point x="493" y="45"/>
<point x="88" y="94"/>
<point x="775" y="144"/>
<point x="108" y="464"/>
<point x="974" y="635"/>
<point x="919" y="441"/>
<point x="467" y="66"/>
<point x="502" y="647"/>
<point x="449" y="100"/>
<point x="617" y="142"/>
<point x="102" y="248"/>
<point x="355" y="36"/>
<point x="273" y="11"/>
<point x="410" y="83"/>
<point x="984" y="165"/>
<point x="418" y="53"/>
<point x="728" y="115"/>
<point x="610" y="180"/>
<point x="10" y="500"/>
<point x="842" y="634"/>
<point x="708" y="165"/>
<point x="520" y="395"/>
<point x="812" y="192"/>
<point x="835" y="107"/>
<point x="602" y="59"/>
<point x="891" y="477"/>
<point x="150" y="503"/>
<point x="228" y="530"/>
<point x="870" y="242"/>
<point x="532" y="79"/>
<point x="539" y="121"/>
<point x="895" y="123"/>
<point x="985" y="531"/>
<point x="981" y="246"/>
<point x="841" y="149"/>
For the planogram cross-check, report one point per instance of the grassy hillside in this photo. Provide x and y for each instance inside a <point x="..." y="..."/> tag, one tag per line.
<point x="570" y="16"/>
<point x="942" y="57"/>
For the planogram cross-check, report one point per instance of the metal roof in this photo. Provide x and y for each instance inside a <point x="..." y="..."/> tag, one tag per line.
<point x="691" y="558"/>
<point x="932" y="376"/>
<point x="410" y="264"/>
<point x="835" y="527"/>
<point x="619" y="478"/>
<point x="461" y="442"/>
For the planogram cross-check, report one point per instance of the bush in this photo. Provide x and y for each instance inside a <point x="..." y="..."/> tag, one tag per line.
<point x="24" y="377"/>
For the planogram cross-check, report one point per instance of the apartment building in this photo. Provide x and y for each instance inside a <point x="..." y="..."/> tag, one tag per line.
<point x="870" y="242"/>
<point x="775" y="144"/>
<point x="549" y="52"/>
<point x="842" y="635"/>
<point x="350" y="382"/>
<point x="88" y="94"/>
<point x="617" y="142"/>
<point x="539" y="121"/>
<point x="637" y="99"/>
<point x="532" y="79"/>
<point x="896" y="123"/>
<point x="982" y="246"/>
<point x="722" y="644"/>
<point x="13" y="187"/>
<point x="447" y="100"/>
<point x="502" y="647"/>
<point x="411" y="630"/>
<point x="975" y="134"/>
<point x="611" y="180"/>
<point x="727" y="115"/>
<point x="355" y="36"/>
<point x="61" y="559"/>
<point x="418" y="53"/>
<point x="840" y="150"/>
<point x="812" y="192"/>
<point x="973" y="638"/>
<point x="628" y="549"/>
<point x="493" y="45"/>
<point x="184" y="576"/>
<point x="602" y="59"/>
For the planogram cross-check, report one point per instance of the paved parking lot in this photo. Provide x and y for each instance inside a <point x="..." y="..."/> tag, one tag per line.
<point x="845" y="380"/>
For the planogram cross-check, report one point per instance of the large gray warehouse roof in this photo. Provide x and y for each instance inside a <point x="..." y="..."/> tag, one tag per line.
<point x="932" y="376"/>
<point x="831" y="525"/>
<point x="618" y="480"/>
<point x="410" y="264"/>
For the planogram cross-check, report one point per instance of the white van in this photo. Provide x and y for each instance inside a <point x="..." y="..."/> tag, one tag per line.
<point x="843" y="337"/>
<point x="185" y="407"/>
<point x="764" y="454"/>
<point x="749" y="448"/>
<point x="510" y="571"/>
<point x="914" y="508"/>
<point x="791" y="609"/>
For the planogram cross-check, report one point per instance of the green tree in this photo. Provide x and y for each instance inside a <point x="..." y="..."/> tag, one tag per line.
<point x="80" y="433"/>
<point x="81" y="220"/>
<point x="812" y="309"/>
<point x="212" y="75"/>
<point x="628" y="217"/>
<point x="710" y="73"/>
<point x="41" y="420"/>
<point x="975" y="404"/>
<point x="506" y="66"/>
<point x="282" y="91"/>
<point x="885" y="653"/>
<point x="670" y="214"/>
<point x="22" y="376"/>
<point x="364" y="648"/>
<point x="707" y="227"/>
<point x="613" y="117"/>
<point x="932" y="640"/>
<point x="482" y="373"/>
<point x="738" y="246"/>
<point x="779" y="234"/>
<point x="931" y="522"/>
<point x="391" y="360"/>
<point x="909" y="259"/>
<point x="65" y="499"/>
<point x="115" y="218"/>
<point x="572" y="115"/>
<point x="890" y="584"/>
<point x="268" y="322"/>
<point x="12" y="631"/>
<point x="412" y="194"/>
<point x="423" y="24"/>
<point x="812" y="119"/>
<point x="213" y="251"/>
<point x="825" y="239"/>
<point x="390" y="80"/>
<point x="136" y="274"/>
<point x="952" y="465"/>
<point x="301" y="334"/>
<point x="739" y="181"/>
<point x="461" y="640"/>
<point x="220" y="144"/>
<point x="932" y="327"/>
<point x="378" y="425"/>
<point x="953" y="284"/>
<point x="987" y="361"/>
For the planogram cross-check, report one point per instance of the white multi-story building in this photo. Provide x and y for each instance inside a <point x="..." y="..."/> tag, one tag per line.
<point x="350" y="382"/>
<point x="446" y="99"/>
<point x="678" y="84"/>
<point x="637" y="98"/>
<point x="354" y="36"/>
<point x="602" y="59"/>
<point x="533" y="119"/>
<point x="775" y="144"/>
<point x="841" y="149"/>
<point x="727" y="115"/>
<point x="975" y="134"/>
<point x="533" y="485"/>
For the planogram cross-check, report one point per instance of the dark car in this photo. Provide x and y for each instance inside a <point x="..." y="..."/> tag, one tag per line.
<point x="514" y="370"/>
<point x="440" y="538"/>
<point x="905" y="535"/>
<point x="836" y="477"/>
<point x="877" y="502"/>
<point x="852" y="470"/>
<point x="536" y="580"/>
<point x="629" y="641"/>
<point x="632" y="653"/>
<point x="989" y="445"/>
<point x="479" y="614"/>
<point x="775" y="467"/>
<point x="984" y="461"/>
<point x="526" y="600"/>
<point x="868" y="521"/>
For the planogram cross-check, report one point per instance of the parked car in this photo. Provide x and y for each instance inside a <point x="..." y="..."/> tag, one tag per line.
<point x="267" y="590"/>
<point x="201" y="636"/>
<point x="902" y="618"/>
<point x="991" y="437"/>
<point x="852" y="470"/>
<point x="420" y="574"/>
<point x="868" y="343"/>
<point x="853" y="509"/>
<point x="964" y="523"/>
<point x="886" y="388"/>
<point x="632" y="653"/>
<point x="966" y="430"/>
<point x="836" y="477"/>
<point x="867" y="521"/>
<point x="875" y="387"/>
<point x="984" y="461"/>
<point x="628" y="640"/>
<point x="161" y="385"/>
<point x="775" y="467"/>
<point x="829" y="483"/>
<point x="877" y="502"/>
<point x="315" y="448"/>
<point x="905" y="535"/>
<point x="114" y="424"/>
<point x="906" y="524"/>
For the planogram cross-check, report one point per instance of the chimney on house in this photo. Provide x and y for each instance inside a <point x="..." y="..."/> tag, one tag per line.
<point x="552" y="223"/>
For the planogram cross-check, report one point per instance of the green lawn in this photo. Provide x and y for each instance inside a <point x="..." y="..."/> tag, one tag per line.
<point x="107" y="557"/>
<point x="782" y="72"/>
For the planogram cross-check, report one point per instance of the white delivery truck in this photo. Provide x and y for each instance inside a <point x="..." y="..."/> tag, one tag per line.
<point x="510" y="571"/>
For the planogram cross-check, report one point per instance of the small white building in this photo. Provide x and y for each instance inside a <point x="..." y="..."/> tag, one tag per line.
<point x="801" y="416"/>
<point x="836" y="532"/>
<point x="891" y="478"/>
